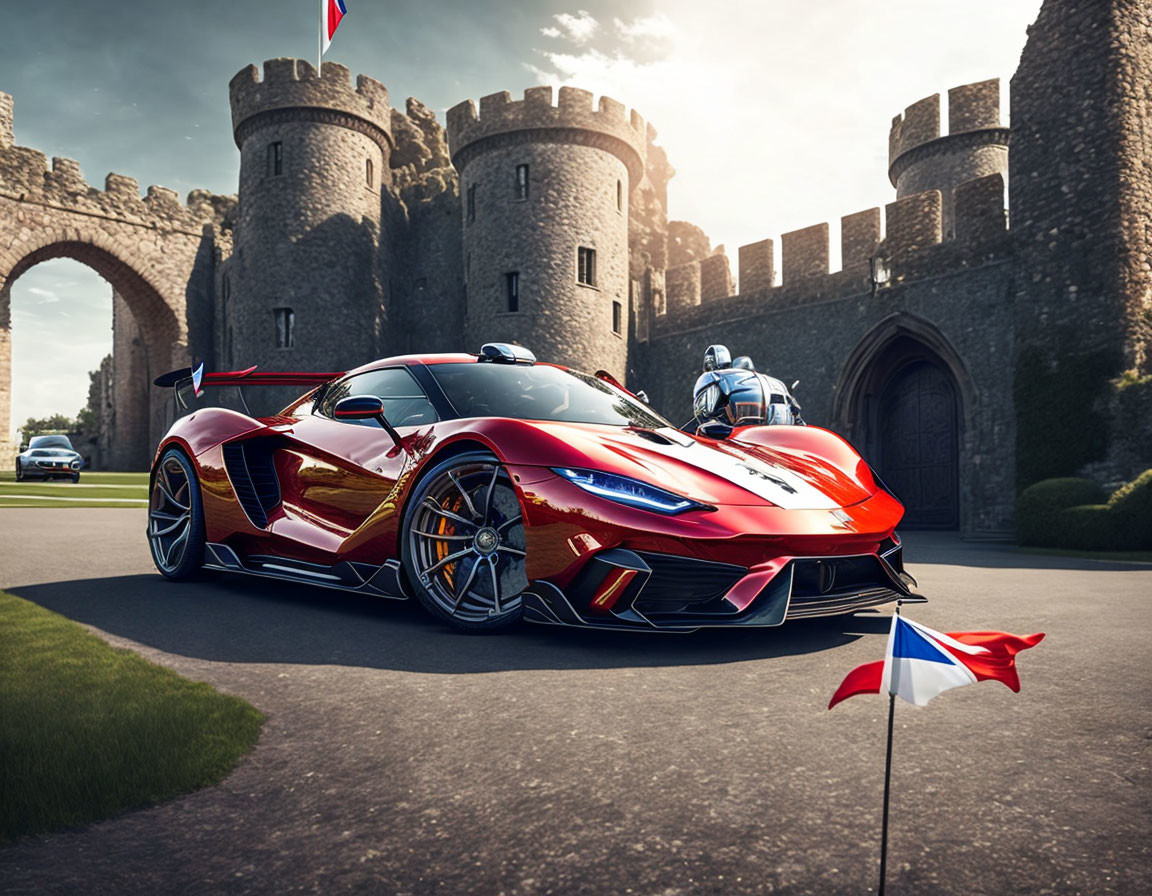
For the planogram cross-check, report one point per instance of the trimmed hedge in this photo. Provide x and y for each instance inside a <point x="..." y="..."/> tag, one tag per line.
<point x="1070" y="513"/>
<point x="1040" y="503"/>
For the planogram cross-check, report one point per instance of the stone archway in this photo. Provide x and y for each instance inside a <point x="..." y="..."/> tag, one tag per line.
<point x="158" y="254"/>
<point x="142" y="319"/>
<point x="902" y="400"/>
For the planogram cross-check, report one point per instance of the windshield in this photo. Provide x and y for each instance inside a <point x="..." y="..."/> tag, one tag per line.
<point x="50" y="442"/>
<point x="539" y="392"/>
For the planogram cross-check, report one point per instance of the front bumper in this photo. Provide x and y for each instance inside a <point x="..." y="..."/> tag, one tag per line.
<point x="62" y="468"/>
<point x="620" y="588"/>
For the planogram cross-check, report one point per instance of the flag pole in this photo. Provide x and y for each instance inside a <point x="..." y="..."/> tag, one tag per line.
<point x="320" y="39"/>
<point x="887" y="779"/>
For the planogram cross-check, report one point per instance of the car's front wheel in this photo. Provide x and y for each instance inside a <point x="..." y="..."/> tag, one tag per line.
<point x="464" y="546"/>
<point x="176" y="517"/>
<point x="19" y="472"/>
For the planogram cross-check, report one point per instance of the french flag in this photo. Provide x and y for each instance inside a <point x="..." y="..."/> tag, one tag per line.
<point x="921" y="662"/>
<point x="331" y="14"/>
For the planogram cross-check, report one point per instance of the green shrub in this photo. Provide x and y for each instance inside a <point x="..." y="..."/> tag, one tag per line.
<point x="1088" y="527"/>
<point x="1041" y="503"/>
<point x="1131" y="505"/>
<point x="1070" y="513"/>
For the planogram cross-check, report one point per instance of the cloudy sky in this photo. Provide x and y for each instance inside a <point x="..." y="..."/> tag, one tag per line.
<point x="775" y="113"/>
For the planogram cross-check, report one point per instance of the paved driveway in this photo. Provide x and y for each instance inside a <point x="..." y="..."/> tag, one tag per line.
<point x="401" y="757"/>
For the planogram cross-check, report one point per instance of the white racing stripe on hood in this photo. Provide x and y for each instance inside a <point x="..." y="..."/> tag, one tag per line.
<point x="771" y="482"/>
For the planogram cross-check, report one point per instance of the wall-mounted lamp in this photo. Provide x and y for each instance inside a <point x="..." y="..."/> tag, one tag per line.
<point x="879" y="272"/>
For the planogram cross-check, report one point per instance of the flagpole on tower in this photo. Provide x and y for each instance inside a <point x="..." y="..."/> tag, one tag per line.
<point x="887" y="777"/>
<point x="320" y="38"/>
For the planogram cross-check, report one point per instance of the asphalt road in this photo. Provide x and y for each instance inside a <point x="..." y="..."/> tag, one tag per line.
<point x="399" y="757"/>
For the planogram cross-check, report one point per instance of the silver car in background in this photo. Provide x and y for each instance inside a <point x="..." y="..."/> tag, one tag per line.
<point x="48" y="457"/>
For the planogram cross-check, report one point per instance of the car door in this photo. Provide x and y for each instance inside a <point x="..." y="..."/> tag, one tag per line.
<point x="342" y="476"/>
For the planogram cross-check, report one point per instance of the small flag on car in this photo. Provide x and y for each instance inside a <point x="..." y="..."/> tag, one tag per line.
<point x="921" y="663"/>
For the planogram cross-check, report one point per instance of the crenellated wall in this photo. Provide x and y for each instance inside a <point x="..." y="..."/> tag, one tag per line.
<point x="155" y="251"/>
<point x="921" y="158"/>
<point x="950" y="299"/>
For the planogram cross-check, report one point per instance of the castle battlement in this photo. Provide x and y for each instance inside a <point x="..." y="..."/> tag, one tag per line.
<point x="291" y="89"/>
<point x="912" y="228"/>
<point x="573" y="119"/>
<point x="973" y="120"/>
<point x="27" y="176"/>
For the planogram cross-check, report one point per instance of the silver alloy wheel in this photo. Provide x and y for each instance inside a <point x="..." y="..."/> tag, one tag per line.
<point x="170" y="514"/>
<point x="467" y="543"/>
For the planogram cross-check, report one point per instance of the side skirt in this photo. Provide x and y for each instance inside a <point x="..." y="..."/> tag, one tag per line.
<point x="363" y="578"/>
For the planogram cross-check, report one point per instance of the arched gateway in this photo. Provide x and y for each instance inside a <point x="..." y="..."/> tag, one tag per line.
<point x="901" y="401"/>
<point x="156" y="253"/>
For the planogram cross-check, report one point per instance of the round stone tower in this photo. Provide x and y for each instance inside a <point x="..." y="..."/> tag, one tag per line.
<point x="544" y="198"/>
<point x="920" y="159"/>
<point x="302" y="289"/>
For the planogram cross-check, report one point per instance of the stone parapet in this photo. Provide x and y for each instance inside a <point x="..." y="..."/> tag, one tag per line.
<point x="291" y="89"/>
<point x="501" y="119"/>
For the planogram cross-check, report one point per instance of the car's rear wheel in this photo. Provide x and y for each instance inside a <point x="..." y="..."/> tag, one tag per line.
<point x="464" y="544"/>
<point x="176" y="517"/>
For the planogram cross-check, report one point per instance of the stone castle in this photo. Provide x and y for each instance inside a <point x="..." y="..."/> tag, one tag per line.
<point x="955" y="350"/>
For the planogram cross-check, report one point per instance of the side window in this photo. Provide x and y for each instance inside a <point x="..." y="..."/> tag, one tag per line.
<point x="275" y="159"/>
<point x="405" y="403"/>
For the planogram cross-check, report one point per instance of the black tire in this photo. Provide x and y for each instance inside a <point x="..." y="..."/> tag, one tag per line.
<point x="19" y="471"/>
<point x="75" y="477"/>
<point x="462" y="544"/>
<point x="175" y="517"/>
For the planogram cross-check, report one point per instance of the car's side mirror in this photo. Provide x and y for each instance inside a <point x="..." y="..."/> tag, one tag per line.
<point x="364" y="407"/>
<point x="359" y="407"/>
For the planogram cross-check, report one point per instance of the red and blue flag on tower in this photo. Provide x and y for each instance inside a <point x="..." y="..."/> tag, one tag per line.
<point x="921" y="662"/>
<point x="331" y="13"/>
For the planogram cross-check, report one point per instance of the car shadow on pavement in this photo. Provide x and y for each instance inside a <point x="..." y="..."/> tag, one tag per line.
<point x="229" y="618"/>
<point x="949" y="549"/>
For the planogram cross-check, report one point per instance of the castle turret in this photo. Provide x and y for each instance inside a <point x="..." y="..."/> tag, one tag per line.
<point x="303" y="287"/>
<point x="920" y="159"/>
<point x="544" y="194"/>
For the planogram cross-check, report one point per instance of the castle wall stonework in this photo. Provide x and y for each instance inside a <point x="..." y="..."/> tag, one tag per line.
<point x="1081" y="199"/>
<point x="571" y="204"/>
<point x="314" y="166"/>
<point x="583" y="163"/>
<point x="920" y="159"/>
<point x="155" y="251"/>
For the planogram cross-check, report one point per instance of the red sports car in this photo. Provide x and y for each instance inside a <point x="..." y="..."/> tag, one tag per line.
<point x="493" y="488"/>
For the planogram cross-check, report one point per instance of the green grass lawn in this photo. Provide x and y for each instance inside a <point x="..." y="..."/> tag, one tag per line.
<point x="93" y="490"/>
<point x="90" y="731"/>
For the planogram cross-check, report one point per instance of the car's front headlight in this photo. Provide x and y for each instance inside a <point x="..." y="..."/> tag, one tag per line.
<point x="630" y="492"/>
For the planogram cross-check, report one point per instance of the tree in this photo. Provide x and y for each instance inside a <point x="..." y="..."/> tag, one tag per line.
<point x="35" y="426"/>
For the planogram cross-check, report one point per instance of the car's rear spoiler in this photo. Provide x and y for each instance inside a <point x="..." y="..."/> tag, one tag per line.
<point x="199" y="380"/>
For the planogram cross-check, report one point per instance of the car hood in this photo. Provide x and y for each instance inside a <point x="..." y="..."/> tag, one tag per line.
<point x="812" y="473"/>
<point x="50" y="454"/>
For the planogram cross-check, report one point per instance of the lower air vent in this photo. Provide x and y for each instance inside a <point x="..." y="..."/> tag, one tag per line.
<point x="253" y="476"/>
<point x="682" y="583"/>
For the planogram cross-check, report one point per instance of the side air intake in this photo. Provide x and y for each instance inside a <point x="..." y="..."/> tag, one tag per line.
<point x="253" y="476"/>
